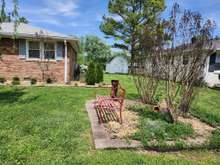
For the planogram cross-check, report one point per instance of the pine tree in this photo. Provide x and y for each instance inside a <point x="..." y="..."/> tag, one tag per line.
<point x="127" y="20"/>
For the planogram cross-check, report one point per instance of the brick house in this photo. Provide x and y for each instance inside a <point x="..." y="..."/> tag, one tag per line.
<point x="36" y="53"/>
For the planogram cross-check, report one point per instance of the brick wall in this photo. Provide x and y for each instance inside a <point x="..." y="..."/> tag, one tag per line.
<point x="11" y="65"/>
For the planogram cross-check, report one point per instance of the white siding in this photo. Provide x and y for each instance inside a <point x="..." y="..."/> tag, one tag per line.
<point x="211" y="78"/>
<point x="117" y="65"/>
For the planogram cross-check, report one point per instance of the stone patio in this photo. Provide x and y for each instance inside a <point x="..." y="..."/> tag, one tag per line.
<point x="101" y="138"/>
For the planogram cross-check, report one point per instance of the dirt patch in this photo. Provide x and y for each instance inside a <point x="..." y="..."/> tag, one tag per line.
<point x="125" y="130"/>
<point x="130" y="123"/>
<point x="202" y="131"/>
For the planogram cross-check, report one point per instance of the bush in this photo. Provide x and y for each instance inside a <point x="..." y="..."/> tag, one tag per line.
<point x="49" y="81"/>
<point x="99" y="73"/>
<point x="16" y="81"/>
<point x="90" y="74"/>
<point x="2" y="80"/>
<point x="33" y="81"/>
<point x="94" y="74"/>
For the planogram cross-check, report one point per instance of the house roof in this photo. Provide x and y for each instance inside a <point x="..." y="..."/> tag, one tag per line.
<point x="29" y="31"/>
<point x="26" y="30"/>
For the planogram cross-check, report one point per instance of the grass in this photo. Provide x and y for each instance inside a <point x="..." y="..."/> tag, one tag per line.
<point x="214" y="141"/>
<point x="207" y="106"/>
<point x="155" y="130"/>
<point x="49" y="125"/>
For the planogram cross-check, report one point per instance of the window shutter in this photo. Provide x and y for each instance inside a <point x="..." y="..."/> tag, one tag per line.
<point x="22" y="48"/>
<point x="59" y="55"/>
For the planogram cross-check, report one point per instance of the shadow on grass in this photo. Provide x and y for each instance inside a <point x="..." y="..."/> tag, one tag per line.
<point x="11" y="96"/>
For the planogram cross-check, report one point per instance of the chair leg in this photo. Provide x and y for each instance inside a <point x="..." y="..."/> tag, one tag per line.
<point x="121" y="109"/>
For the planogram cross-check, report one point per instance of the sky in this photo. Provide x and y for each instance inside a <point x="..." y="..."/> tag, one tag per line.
<point x="83" y="17"/>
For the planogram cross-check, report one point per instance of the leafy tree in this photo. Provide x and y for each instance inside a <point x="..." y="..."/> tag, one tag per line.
<point x="127" y="20"/>
<point x="81" y="55"/>
<point x="96" y="50"/>
<point x="23" y="20"/>
<point x="90" y="74"/>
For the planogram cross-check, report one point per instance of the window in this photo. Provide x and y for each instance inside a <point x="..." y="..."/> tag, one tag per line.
<point x="49" y="50"/>
<point x="34" y="49"/>
<point x="212" y="62"/>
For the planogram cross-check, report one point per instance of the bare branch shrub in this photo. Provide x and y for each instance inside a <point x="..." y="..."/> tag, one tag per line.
<point x="173" y="57"/>
<point x="146" y="73"/>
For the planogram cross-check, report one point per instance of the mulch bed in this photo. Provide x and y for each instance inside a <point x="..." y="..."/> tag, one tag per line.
<point x="119" y="135"/>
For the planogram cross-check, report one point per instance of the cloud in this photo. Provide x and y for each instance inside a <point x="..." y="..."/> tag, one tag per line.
<point x="65" y="8"/>
<point x="47" y="20"/>
<point x="51" y="11"/>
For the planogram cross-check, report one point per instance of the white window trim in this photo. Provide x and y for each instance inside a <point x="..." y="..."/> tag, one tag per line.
<point x="55" y="50"/>
<point x="27" y="50"/>
<point x="41" y="50"/>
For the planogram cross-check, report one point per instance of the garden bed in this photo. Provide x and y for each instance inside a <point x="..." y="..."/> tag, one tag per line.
<point x="155" y="132"/>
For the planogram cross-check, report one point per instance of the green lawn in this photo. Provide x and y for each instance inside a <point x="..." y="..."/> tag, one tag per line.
<point x="49" y="125"/>
<point x="207" y="106"/>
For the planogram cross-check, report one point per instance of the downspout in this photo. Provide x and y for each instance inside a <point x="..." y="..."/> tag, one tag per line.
<point x="65" y="63"/>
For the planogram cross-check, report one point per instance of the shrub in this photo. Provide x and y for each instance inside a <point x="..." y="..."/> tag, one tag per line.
<point x="16" y="81"/>
<point x="49" y="81"/>
<point x="2" y="80"/>
<point x="33" y="81"/>
<point x="90" y="74"/>
<point x="99" y="73"/>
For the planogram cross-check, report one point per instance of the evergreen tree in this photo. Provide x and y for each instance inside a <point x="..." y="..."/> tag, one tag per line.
<point x="99" y="73"/>
<point x="11" y="16"/>
<point x="127" y="20"/>
<point x="90" y="74"/>
<point x="3" y="13"/>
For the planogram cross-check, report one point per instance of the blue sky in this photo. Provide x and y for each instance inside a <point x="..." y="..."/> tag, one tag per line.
<point x="83" y="17"/>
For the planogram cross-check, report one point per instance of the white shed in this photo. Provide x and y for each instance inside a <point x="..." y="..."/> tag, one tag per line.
<point x="118" y="64"/>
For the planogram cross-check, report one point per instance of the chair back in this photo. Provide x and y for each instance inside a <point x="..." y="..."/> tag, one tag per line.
<point x="122" y="92"/>
<point x="114" y="89"/>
